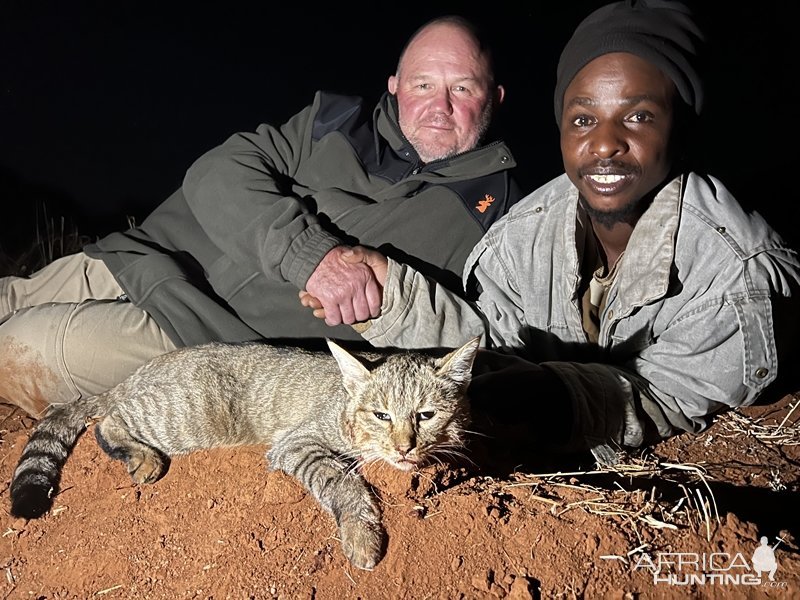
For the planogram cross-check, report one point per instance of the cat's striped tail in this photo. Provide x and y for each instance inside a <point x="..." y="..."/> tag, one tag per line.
<point x="38" y="472"/>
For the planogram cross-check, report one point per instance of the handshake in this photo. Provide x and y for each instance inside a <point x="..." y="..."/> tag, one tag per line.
<point x="347" y="286"/>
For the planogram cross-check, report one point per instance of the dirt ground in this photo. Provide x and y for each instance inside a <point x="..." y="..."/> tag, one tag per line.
<point x="682" y="520"/>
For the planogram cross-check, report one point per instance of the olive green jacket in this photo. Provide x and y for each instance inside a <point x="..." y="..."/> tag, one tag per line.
<point x="224" y="257"/>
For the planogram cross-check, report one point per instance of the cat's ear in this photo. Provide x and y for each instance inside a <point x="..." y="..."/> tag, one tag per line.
<point x="354" y="373"/>
<point x="457" y="365"/>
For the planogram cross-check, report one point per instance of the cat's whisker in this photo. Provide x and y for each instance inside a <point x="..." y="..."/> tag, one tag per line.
<point x="371" y="463"/>
<point x="358" y="466"/>
<point x="351" y="455"/>
<point x="365" y="460"/>
<point x="476" y="433"/>
<point x="453" y="455"/>
<point x="451" y="443"/>
<point x="435" y="458"/>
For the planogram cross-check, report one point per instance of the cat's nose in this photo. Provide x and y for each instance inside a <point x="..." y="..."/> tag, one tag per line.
<point x="404" y="440"/>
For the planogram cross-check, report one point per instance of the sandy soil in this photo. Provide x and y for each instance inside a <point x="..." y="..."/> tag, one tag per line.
<point x="221" y="525"/>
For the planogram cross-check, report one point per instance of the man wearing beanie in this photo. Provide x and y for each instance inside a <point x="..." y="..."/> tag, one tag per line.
<point x="631" y="298"/>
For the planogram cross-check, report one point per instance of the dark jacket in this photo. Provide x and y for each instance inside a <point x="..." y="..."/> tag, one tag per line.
<point x="223" y="258"/>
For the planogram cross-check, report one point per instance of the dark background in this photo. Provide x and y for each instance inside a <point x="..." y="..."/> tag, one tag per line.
<point x="104" y="105"/>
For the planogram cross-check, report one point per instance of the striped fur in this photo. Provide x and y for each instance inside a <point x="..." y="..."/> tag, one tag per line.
<point x="323" y="415"/>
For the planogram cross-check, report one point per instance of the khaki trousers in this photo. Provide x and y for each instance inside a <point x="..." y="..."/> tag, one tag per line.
<point x="64" y="334"/>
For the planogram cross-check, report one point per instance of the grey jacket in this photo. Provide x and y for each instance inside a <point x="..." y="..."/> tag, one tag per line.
<point x="690" y="324"/>
<point x="223" y="258"/>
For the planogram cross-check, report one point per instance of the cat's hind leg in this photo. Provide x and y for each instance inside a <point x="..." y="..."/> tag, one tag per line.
<point x="145" y="463"/>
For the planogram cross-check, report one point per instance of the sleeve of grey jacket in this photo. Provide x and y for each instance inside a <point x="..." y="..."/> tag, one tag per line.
<point x="418" y="313"/>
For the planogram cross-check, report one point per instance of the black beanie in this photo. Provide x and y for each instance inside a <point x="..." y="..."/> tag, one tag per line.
<point x="662" y="32"/>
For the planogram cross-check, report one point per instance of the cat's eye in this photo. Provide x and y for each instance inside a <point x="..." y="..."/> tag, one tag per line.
<point x="382" y="416"/>
<point x="426" y="415"/>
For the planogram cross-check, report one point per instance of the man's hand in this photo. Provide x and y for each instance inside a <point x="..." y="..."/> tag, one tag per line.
<point x="347" y="286"/>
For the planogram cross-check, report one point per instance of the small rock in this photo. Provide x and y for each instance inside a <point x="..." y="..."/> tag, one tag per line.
<point x="482" y="582"/>
<point x="521" y="589"/>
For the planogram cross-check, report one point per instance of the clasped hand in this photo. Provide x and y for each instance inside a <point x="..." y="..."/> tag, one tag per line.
<point x="347" y="285"/>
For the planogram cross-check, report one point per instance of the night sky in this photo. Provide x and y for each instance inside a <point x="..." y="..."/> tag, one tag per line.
<point x="104" y="105"/>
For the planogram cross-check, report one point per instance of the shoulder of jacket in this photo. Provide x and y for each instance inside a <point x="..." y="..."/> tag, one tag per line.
<point x="712" y="208"/>
<point x="334" y="100"/>
<point x="334" y="110"/>
<point x="705" y="194"/>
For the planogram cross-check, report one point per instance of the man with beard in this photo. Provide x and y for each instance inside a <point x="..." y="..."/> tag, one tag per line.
<point x="630" y="298"/>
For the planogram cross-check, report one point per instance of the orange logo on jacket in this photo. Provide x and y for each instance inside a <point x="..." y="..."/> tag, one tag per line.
<point x="485" y="203"/>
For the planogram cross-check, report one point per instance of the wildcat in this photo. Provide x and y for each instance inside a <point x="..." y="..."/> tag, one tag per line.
<point x="323" y="415"/>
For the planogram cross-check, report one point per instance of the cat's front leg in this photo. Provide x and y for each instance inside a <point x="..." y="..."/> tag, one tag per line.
<point x="362" y="541"/>
<point x="341" y="491"/>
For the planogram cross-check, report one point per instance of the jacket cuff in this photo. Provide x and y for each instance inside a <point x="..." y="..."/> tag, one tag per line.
<point x="305" y="254"/>
<point x="393" y="306"/>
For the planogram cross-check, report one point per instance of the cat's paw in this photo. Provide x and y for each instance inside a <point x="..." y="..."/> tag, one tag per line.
<point x="145" y="467"/>
<point x="362" y="542"/>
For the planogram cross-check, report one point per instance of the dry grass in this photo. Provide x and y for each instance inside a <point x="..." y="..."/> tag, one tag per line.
<point x="54" y="237"/>
<point x="645" y="493"/>
<point x="785" y="432"/>
<point x="642" y="493"/>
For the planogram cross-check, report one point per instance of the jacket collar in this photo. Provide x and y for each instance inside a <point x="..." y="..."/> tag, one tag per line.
<point x="644" y="274"/>
<point x="650" y="253"/>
